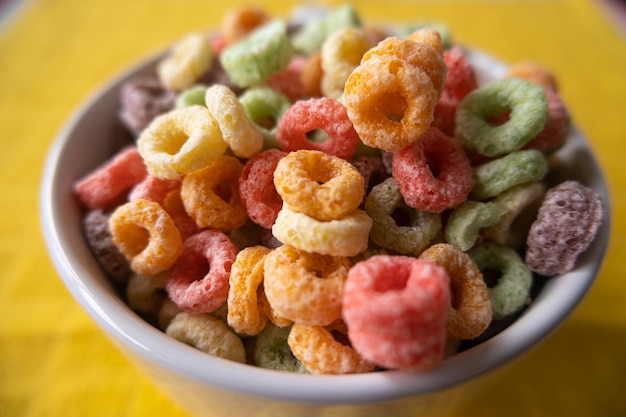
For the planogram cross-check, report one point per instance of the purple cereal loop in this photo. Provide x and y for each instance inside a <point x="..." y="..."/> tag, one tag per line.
<point x="142" y="100"/>
<point x="566" y="223"/>
<point x="100" y="241"/>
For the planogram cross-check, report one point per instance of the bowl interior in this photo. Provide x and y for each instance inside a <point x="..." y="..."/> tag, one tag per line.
<point x="93" y="135"/>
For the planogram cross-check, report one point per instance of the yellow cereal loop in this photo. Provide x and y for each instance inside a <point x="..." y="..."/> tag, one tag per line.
<point x="181" y="141"/>
<point x="322" y="354"/>
<point x="238" y="131"/>
<point x="305" y="287"/>
<point x="146" y="235"/>
<point x="320" y="185"/>
<point x="189" y="59"/>
<point x="347" y="236"/>
<point x="341" y="53"/>
<point x="245" y="310"/>
<point x="211" y="195"/>
<point x="207" y="334"/>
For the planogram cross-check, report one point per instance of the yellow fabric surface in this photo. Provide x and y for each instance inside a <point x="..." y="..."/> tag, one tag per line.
<point x="53" y="54"/>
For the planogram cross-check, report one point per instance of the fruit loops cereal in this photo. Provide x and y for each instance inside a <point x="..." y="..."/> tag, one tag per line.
<point x="326" y="197"/>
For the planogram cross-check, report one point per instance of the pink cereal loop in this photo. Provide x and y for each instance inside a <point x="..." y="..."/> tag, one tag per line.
<point x="107" y="185"/>
<point x="318" y="113"/>
<point x="189" y="285"/>
<point x="396" y="310"/>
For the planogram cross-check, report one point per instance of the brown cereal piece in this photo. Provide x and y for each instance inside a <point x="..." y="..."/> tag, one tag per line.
<point x="567" y="222"/>
<point x="100" y="241"/>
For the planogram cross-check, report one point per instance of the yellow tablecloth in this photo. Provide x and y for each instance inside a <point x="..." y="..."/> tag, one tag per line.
<point x="54" y="361"/>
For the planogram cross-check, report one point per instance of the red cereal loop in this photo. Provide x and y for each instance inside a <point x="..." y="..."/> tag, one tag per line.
<point x="396" y="310"/>
<point x="318" y="113"/>
<point x="460" y="80"/>
<point x="433" y="173"/>
<point x="555" y="130"/>
<point x="288" y="82"/>
<point x="257" y="190"/>
<point x="443" y="116"/>
<point x="154" y="189"/>
<point x="107" y="185"/>
<point x="198" y="281"/>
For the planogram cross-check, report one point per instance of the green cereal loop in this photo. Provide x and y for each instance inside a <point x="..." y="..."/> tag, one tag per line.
<point x="466" y="221"/>
<point x="494" y="177"/>
<point x="191" y="96"/>
<point x="265" y="106"/>
<point x="266" y="51"/>
<point x="309" y="39"/>
<point x="510" y="294"/>
<point x="273" y="352"/>
<point x="528" y="108"/>
<point x="381" y="203"/>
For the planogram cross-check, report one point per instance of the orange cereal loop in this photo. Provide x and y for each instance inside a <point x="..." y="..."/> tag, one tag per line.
<point x="270" y="313"/>
<point x="146" y="235"/>
<point x="470" y="307"/>
<point x="428" y="36"/>
<point x="322" y="354"/>
<point x="211" y="195"/>
<point x="239" y="22"/>
<point x="181" y="141"/>
<point x="533" y="72"/>
<point x="303" y="286"/>
<point x="311" y="75"/>
<point x="322" y="186"/>
<point x="390" y="102"/>
<point x="245" y="310"/>
<point x="173" y="204"/>
<point x="417" y="54"/>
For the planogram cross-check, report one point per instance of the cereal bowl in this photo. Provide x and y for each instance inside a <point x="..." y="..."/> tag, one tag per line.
<point x="210" y="386"/>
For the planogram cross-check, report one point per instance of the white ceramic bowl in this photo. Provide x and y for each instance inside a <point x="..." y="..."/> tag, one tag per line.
<point x="210" y="386"/>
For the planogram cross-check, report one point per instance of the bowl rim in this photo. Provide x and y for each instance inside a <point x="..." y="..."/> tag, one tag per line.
<point x="126" y="328"/>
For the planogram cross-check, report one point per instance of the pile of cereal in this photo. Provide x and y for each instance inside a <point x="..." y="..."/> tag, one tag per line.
<point x="327" y="197"/>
